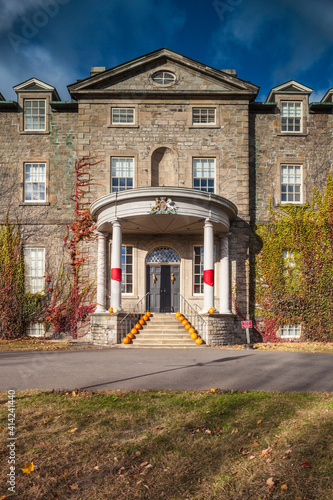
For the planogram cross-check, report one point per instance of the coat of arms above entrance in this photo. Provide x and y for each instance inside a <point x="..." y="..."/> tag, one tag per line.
<point x="163" y="205"/>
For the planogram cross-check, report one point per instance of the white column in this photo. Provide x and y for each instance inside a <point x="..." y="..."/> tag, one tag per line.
<point x="116" y="267"/>
<point x="208" y="266"/>
<point x="224" y="276"/>
<point x="101" y="272"/>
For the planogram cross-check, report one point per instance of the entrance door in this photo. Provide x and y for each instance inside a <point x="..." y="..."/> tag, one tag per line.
<point x="163" y="285"/>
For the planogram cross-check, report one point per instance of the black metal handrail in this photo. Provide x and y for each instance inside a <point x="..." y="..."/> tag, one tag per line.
<point x="132" y="317"/>
<point x="196" y="321"/>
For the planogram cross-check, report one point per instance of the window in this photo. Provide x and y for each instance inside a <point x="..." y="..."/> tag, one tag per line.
<point x="34" y="114"/>
<point x="122" y="115"/>
<point x="34" y="260"/>
<point x="198" y="269"/>
<point x="35" y="182"/>
<point x="291" y="115"/>
<point x="204" y="174"/>
<point x="203" y="116"/>
<point x="290" y="331"/>
<point x="291" y="183"/>
<point x="122" y="174"/>
<point x="164" y="77"/>
<point x="127" y="269"/>
<point x="36" y="330"/>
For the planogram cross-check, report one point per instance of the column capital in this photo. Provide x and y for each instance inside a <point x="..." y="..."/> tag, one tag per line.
<point x="117" y="223"/>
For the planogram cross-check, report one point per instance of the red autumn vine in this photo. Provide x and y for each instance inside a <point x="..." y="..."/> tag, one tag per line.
<point x="69" y="298"/>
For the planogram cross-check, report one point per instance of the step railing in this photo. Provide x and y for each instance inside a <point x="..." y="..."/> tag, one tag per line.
<point x="197" y="321"/>
<point x="131" y="318"/>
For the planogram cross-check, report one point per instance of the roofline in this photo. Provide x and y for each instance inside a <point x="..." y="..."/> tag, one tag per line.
<point x="163" y="52"/>
<point x="18" y="88"/>
<point x="329" y="92"/>
<point x="278" y="89"/>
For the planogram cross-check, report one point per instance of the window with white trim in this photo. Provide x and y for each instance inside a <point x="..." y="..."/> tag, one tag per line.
<point x="291" y="116"/>
<point x="34" y="114"/>
<point x="203" y="116"/>
<point x="122" y="172"/>
<point x="122" y="116"/>
<point x="290" y="331"/>
<point x="35" y="182"/>
<point x="291" y="183"/>
<point x="34" y="261"/>
<point x="204" y="174"/>
<point x="127" y="269"/>
<point x="36" y="330"/>
<point x="198" y="269"/>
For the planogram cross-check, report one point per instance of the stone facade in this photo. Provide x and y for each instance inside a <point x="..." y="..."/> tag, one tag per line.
<point x="162" y="140"/>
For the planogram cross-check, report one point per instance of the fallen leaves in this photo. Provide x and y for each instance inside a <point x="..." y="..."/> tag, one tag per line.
<point x="29" y="467"/>
<point x="266" y="452"/>
<point x="305" y="464"/>
<point x="73" y="430"/>
<point x="270" y="482"/>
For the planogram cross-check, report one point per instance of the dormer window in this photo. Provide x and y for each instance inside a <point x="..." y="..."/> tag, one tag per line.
<point x="164" y="77"/>
<point x="291" y="116"/>
<point x="34" y="114"/>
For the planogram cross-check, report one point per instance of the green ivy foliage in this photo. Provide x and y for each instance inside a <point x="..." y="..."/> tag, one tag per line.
<point x="294" y="270"/>
<point x="17" y="307"/>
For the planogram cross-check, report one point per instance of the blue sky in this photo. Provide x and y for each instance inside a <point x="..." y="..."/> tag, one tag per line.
<point x="268" y="42"/>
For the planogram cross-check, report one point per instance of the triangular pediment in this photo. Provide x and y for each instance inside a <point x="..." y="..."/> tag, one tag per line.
<point x="137" y="77"/>
<point x="291" y="87"/>
<point x="328" y="97"/>
<point x="1" y="97"/>
<point x="35" y="85"/>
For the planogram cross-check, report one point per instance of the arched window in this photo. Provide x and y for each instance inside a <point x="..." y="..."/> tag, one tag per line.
<point x="163" y="255"/>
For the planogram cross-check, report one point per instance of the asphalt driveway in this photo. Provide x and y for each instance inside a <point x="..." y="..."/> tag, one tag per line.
<point x="184" y="369"/>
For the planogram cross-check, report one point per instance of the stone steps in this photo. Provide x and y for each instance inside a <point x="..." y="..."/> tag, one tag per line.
<point x="162" y="331"/>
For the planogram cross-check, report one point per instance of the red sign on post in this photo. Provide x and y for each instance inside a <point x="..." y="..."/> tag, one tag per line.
<point x="247" y="324"/>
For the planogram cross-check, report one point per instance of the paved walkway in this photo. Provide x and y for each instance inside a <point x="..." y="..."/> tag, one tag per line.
<point x="183" y="369"/>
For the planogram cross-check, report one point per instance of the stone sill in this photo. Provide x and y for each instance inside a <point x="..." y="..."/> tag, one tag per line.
<point x="292" y="134"/>
<point x="35" y="204"/>
<point x="125" y="125"/>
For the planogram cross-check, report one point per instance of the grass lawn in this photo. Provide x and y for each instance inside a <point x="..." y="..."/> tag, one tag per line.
<point x="29" y="344"/>
<point x="169" y="444"/>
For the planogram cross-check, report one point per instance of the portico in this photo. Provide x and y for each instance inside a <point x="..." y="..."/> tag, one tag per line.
<point x="166" y="215"/>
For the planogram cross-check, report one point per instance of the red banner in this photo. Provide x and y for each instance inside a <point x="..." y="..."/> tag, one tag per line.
<point x="116" y="274"/>
<point x="209" y="277"/>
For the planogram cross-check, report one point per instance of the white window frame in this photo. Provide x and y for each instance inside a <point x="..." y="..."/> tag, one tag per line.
<point x="292" y="331"/>
<point x="34" y="182"/>
<point x="36" y="329"/>
<point x="291" y="119"/>
<point x="125" y="274"/>
<point x="203" y="116"/>
<point x="200" y="284"/>
<point x="294" y="192"/>
<point x="125" y="186"/>
<point x="122" y="112"/>
<point x="34" y="259"/>
<point x="30" y="115"/>
<point x="197" y="179"/>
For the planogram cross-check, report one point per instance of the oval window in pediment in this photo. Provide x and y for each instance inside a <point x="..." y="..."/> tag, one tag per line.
<point x="164" y="77"/>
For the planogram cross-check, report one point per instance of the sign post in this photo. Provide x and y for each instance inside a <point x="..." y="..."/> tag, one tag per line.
<point x="247" y="325"/>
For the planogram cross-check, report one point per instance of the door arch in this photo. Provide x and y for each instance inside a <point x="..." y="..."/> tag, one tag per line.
<point x="163" y="279"/>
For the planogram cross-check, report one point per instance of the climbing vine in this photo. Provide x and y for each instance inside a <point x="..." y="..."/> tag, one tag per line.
<point x="69" y="296"/>
<point x="12" y="293"/>
<point x="294" y="270"/>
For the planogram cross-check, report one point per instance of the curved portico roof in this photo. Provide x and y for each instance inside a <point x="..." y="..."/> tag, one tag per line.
<point x="185" y="213"/>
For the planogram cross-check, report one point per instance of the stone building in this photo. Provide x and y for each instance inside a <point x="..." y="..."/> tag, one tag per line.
<point x="188" y="161"/>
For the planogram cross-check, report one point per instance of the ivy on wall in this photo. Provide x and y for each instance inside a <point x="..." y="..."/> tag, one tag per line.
<point x="294" y="270"/>
<point x="69" y="297"/>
